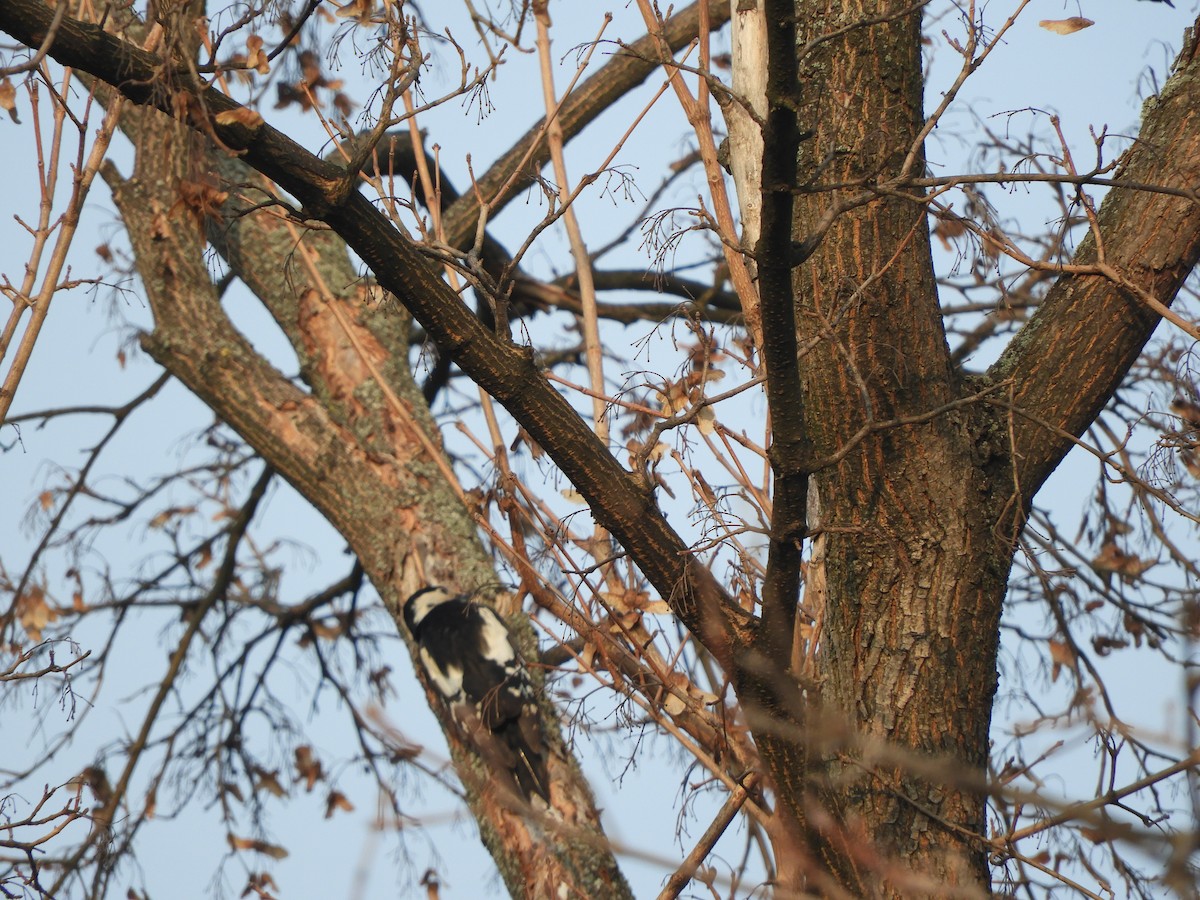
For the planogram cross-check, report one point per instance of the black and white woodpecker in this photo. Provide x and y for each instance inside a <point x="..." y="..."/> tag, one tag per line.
<point x="471" y="660"/>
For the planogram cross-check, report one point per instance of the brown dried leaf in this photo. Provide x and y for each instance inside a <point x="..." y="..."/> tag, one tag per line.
<point x="34" y="612"/>
<point x="204" y="200"/>
<point x="947" y="229"/>
<point x="272" y="850"/>
<point x="1187" y="411"/>
<point x="1106" y="645"/>
<point x="1135" y="627"/>
<point x="8" y="99"/>
<point x="287" y="94"/>
<point x="310" y="68"/>
<point x="673" y="705"/>
<point x="1066" y="26"/>
<point x="343" y="104"/>
<point x="360" y="10"/>
<point x="173" y="512"/>
<point x="308" y="767"/>
<point x="255" y="57"/>
<point x="268" y="781"/>
<point x="329" y="629"/>
<point x="258" y="884"/>
<point x="1061" y="655"/>
<point x="337" y="800"/>
<point x="1112" y="558"/>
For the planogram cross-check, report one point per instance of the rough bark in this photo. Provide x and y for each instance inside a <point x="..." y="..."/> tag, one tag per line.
<point x="914" y="575"/>
<point x="358" y="446"/>
<point x="916" y="473"/>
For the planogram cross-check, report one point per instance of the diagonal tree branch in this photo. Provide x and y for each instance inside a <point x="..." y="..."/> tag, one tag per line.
<point x="1079" y="345"/>
<point x="628" y="68"/>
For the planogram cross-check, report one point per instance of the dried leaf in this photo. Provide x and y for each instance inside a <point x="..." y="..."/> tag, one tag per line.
<point x="268" y="781"/>
<point x="8" y="99"/>
<point x="308" y="767"/>
<point x="203" y="556"/>
<point x="360" y="10"/>
<point x="310" y="68"/>
<point x="1135" y="627"/>
<point x="161" y="520"/>
<point x="258" y="884"/>
<point x="1112" y="558"/>
<point x="1061" y="655"/>
<point x="287" y="94"/>
<point x="337" y="800"/>
<point x="624" y="600"/>
<point x="343" y="104"/>
<point x="947" y="229"/>
<point x="256" y="58"/>
<point x="1106" y="645"/>
<point x="1187" y="411"/>
<point x="204" y="200"/>
<point x="272" y="850"/>
<point x="328" y="629"/>
<point x="1066" y="26"/>
<point x="34" y="612"/>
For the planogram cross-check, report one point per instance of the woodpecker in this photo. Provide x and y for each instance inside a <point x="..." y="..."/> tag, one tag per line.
<point x="468" y="654"/>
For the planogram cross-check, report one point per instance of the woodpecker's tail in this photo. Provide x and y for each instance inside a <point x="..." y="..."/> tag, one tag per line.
<point x="524" y="738"/>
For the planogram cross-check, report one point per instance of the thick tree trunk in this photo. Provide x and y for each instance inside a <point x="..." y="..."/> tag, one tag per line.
<point x="361" y="446"/>
<point x="915" y="573"/>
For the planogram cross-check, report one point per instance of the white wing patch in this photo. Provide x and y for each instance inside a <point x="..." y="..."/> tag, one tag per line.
<point x="493" y="636"/>
<point x="449" y="681"/>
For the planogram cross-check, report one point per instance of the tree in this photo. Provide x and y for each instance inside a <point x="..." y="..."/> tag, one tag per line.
<point x="838" y="682"/>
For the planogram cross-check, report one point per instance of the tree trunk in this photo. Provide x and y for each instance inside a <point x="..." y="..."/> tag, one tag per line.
<point x="915" y="571"/>
<point x="361" y="446"/>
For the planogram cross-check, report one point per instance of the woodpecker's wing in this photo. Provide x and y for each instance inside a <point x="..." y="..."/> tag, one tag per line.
<point x="469" y="654"/>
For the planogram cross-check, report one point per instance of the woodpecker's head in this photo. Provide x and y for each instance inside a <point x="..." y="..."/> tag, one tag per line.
<point x="422" y="603"/>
